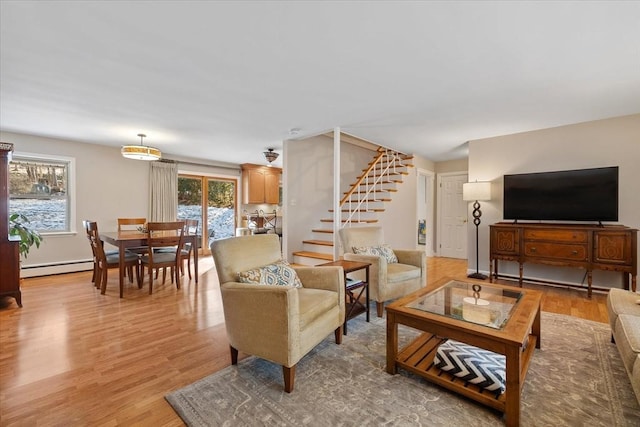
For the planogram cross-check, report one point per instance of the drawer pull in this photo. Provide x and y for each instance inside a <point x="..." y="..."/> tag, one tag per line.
<point x="533" y="249"/>
<point x="574" y="252"/>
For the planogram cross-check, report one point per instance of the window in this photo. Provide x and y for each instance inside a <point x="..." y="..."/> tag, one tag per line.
<point x="39" y="188"/>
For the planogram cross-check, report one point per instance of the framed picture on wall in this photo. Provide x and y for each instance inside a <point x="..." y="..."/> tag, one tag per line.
<point x="422" y="231"/>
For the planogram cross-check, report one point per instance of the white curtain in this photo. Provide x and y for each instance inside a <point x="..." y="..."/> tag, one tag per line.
<point x="163" y="191"/>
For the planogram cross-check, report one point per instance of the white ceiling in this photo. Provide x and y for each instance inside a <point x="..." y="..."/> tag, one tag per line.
<point x="226" y="80"/>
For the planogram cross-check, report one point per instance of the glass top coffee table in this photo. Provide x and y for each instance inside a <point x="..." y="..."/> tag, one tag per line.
<point x="501" y="319"/>
<point x="472" y="302"/>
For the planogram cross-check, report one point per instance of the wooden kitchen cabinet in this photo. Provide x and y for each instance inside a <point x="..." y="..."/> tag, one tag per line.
<point x="260" y="184"/>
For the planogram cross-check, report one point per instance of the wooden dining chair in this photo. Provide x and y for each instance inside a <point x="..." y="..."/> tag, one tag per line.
<point x="104" y="262"/>
<point x="133" y="224"/>
<point x="165" y="246"/>
<point x="85" y="224"/>
<point x="190" y="227"/>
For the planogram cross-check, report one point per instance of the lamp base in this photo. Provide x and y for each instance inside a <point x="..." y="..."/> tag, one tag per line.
<point x="477" y="276"/>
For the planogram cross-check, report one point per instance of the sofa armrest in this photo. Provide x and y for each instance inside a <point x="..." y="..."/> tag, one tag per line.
<point x="262" y="320"/>
<point x="412" y="257"/>
<point x="327" y="278"/>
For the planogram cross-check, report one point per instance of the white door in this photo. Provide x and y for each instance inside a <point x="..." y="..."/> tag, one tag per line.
<point x="453" y="216"/>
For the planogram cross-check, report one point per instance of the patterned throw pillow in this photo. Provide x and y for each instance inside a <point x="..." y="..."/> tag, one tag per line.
<point x="280" y="274"/>
<point x="383" y="251"/>
<point x="475" y="365"/>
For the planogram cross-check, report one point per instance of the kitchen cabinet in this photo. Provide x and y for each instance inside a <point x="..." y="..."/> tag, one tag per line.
<point x="260" y="184"/>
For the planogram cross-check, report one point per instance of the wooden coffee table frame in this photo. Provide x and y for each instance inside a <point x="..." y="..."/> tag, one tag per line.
<point x="417" y="357"/>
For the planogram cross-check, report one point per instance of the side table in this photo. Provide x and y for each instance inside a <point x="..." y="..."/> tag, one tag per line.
<point x="354" y="306"/>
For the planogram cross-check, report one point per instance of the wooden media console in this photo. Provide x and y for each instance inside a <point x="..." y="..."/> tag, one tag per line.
<point x="592" y="247"/>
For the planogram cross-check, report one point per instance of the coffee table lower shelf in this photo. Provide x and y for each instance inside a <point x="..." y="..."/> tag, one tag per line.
<point x="417" y="357"/>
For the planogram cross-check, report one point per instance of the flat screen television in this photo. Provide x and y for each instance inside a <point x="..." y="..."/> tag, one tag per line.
<point x="572" y="195"/>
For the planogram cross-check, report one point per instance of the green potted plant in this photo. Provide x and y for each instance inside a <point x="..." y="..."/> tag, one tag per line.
<point x="29" y="236"/>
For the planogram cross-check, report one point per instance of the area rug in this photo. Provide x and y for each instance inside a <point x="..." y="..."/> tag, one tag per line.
<point x="577" y="378"/>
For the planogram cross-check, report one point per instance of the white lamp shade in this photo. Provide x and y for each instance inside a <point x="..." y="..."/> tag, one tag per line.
<point x="472" y="191"/>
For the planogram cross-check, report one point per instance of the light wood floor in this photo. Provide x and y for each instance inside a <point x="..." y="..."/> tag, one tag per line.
<point x="73" y="357"/>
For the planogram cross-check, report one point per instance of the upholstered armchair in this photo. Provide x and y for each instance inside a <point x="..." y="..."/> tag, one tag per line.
<point x="387" y="280"/>
<point x="275" y="322"/>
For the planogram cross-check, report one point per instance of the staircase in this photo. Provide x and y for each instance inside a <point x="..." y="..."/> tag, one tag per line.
<point x="360" y="205"/>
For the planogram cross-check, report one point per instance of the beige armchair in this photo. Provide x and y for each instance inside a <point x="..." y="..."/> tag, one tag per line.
<point x="277" y="323"/>
<point x="387" y="280"/>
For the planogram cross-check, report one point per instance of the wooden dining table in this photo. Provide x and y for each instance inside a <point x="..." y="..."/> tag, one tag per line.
<point x="131" y="238"/>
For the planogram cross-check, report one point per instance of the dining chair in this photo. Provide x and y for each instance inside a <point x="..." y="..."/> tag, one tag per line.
<point x="85" y="224"/>
<point x="165" y="246"/>
<point x="104" y="262"/>
<point x="190" y="227"/>
<point x="133" y="224"/>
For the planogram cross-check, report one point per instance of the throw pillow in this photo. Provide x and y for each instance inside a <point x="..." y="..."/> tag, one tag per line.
<point x="383" y="251"/>
<point x="475" y="365"/>
<point x="279" y="273"/>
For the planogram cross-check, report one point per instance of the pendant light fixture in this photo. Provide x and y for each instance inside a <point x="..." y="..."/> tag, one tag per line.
<point x="140" y="152"/>
<point x="270" y="155"/>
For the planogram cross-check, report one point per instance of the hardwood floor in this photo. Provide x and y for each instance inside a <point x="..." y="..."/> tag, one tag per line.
<point x="73" y="357"/>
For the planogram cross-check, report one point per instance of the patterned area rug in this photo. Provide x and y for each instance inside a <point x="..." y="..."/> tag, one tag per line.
<point x="577" y="378"/>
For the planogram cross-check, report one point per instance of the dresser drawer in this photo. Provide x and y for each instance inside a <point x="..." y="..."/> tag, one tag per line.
<point x="556" y="251"/>
<point x="556" y="235"/>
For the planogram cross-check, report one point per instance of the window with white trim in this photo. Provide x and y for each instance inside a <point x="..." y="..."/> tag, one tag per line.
<point x="39" y="188"/>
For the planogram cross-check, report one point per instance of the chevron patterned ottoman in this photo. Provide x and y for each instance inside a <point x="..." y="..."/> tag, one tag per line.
<point x="475" y="365"/>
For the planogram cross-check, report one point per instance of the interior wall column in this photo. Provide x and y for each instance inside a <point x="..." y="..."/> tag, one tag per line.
<point x="337" y="215"/>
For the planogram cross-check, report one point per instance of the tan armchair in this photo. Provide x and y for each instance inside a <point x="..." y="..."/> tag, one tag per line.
<point x="277" y="323"/>
<point x="387" y="280"/>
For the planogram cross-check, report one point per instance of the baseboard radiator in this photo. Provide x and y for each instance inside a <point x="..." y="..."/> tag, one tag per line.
<point x="37" y="270"/>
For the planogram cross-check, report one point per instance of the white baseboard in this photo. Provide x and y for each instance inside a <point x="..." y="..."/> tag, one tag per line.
<point x="56" y="268"/>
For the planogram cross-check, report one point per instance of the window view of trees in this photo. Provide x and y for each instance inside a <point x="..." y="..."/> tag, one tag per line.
<point x="189" y="191"/>
<point x="38" y="189"/>
<point x="219" y="216"/>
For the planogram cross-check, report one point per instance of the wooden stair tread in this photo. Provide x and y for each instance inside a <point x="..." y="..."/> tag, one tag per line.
<point x="397" y="164"/>
<point x="316" y="255"/>
<point x="389" y="190"/>
<point x="362" y="210"/>
<point x="320" y="230"/>
<point x="370" y="200"/>
<point x="361" y="221"/>
<point x="390" y="173"/>
<point x="393" y="181"/>
<point x="319" y="242"/>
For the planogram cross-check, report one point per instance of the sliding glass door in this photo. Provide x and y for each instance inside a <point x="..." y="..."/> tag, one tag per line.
<point x="218" y="196"/>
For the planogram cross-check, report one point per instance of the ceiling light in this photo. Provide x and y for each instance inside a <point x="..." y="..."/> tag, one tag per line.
<point x="270" y="155"/>
<point x="140" y="152"/>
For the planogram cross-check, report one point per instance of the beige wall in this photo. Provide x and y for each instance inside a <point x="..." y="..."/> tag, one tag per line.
<point x="611" y="142"/>
<point x="458" y="165"/>
<point x="106" y="186"/>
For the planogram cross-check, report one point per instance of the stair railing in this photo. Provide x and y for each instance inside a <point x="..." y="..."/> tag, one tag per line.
<point x="383" y="165"/>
